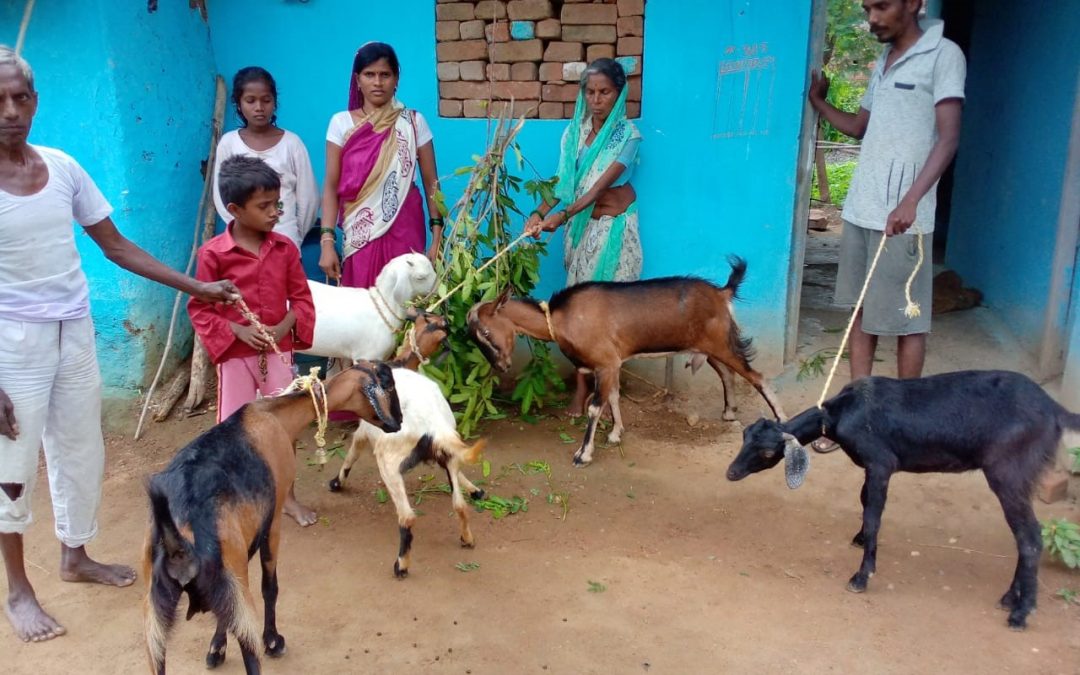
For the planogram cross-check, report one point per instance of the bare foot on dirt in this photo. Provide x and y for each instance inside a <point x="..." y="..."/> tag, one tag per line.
<point x="303" y="515"/>
<point x="576" y="407"/>
<point x="30" y="621"/>
<point x="76" y="566"/>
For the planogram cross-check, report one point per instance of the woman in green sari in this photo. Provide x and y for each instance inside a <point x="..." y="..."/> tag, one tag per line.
<point x="596" y="162"/>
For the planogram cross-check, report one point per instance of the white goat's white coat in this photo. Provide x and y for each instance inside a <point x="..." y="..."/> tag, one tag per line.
<point x="348" y="325"/>
<point x="424" y="412"/>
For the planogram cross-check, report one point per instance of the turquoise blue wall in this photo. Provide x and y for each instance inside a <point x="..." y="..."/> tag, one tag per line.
<point x="1010" y="168"/>
<point x="129" y="94"/>
<point x="1070" y="381"/>
<point x="717" y="172"/>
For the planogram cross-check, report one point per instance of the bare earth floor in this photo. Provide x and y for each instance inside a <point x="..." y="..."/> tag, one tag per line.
<point x="700" y="575"/>
<point x="659" y="564"/>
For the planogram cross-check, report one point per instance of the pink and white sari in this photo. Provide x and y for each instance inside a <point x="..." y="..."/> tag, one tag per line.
<point x="380" y="206"/>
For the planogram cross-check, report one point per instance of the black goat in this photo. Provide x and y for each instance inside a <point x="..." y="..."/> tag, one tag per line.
<point x="997" y="421"/>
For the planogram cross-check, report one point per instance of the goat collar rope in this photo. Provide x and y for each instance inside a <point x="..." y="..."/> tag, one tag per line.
<point x="411" y="338"/>
<point x="386" y="304"/>
<point x="314" y="386"/>
<point x="547" y="317"/>
<point x="380" y="312"/>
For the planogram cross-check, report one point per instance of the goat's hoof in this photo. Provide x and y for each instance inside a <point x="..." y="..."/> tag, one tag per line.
<point x="858" y="541"/>
<point x="477" y="495"/>
<point x="856" y="585"/>
<point x="729" y="416"/>
<point x="334" y="485"/>
<point x="580" y="463"/>
<point x="467" y="543"/>
<point x="1017" y="623"/>
<point x="275" y="646"/>
<point x="215" y="658"/>
<point x="399" y="571"/>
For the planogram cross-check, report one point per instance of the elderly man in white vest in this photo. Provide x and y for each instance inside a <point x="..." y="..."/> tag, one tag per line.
<point x="50" y="387"/>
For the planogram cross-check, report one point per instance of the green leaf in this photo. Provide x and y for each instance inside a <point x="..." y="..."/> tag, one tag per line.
<point x="596" y="587"/>
<point x="565" y="437"/>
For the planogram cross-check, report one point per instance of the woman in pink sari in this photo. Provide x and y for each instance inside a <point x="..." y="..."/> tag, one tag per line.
<point x="373" y="150"/>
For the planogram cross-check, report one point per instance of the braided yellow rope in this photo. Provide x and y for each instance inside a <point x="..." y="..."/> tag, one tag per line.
<point x="262" y="330"/>
<point x="314" y="386"/>
<point x="410" y="336"/>
<point x="912" y="310"/>
<point x="851" y="321"/>
<point x="547" y="317"/>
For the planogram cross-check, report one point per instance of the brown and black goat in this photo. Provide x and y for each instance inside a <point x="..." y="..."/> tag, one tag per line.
<point x="219" y="502"/>
<point x="599" y="325"/>
<point x="429" y="332"/>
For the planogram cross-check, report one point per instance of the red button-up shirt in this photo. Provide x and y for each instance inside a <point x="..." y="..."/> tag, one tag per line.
<point x="271" y="283"/>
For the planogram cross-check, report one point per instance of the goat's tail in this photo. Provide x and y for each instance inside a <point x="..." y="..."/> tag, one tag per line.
<point x="171" y="562"/>
<point x="1070" y="420"/>
<point x="469" y="454"/>
<point x="738" y="273"/>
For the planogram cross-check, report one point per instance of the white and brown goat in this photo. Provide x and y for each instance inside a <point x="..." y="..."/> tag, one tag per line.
<point x="599" y="325"/>
<point x="428" y="433"/>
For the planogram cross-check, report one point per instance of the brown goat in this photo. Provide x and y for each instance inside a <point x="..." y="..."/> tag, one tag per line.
<point x="599" y="325"/>
<point x="219" y="501"/>
<point x="429" y="332"/>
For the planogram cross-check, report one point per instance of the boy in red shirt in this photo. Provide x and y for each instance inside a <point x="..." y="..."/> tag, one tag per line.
<point x="265" y="266"/>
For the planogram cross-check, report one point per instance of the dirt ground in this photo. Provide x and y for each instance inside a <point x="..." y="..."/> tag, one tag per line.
<point x="657" y="565"/>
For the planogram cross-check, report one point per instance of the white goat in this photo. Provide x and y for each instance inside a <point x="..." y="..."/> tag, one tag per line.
<point x="428" y="434"/>
<point x="359" y="323"/>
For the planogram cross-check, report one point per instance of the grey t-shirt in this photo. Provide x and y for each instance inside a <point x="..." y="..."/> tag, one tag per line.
<point x="903" y="129"/>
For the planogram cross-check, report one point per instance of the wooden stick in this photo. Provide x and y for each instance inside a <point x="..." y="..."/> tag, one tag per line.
<point x="172" y="394"/>
<point x="964" y="549"/>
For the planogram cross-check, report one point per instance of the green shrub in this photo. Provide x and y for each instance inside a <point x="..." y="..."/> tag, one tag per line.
<point x="1061" y="538"/>
<point x="839" y="176"/>
<point x="846" y="95"/>
<point x="478" y="228"/>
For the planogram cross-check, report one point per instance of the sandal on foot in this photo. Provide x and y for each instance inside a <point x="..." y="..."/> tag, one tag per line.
<point x="824" y="445"/>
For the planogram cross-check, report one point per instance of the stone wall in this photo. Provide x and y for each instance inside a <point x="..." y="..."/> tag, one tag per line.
<point x="532" y="52"/>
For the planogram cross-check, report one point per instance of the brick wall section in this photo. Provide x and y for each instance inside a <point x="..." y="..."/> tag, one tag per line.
<point x="532" y="52"/>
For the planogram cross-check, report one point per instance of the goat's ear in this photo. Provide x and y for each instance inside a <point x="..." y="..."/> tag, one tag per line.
<point x="796" y="461"/>
<point x="503" y="297"/>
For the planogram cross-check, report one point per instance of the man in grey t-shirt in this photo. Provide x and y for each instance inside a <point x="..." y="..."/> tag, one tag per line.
<point x="909" y="123"/>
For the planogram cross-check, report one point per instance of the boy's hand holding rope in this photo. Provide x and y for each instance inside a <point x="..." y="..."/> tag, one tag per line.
<point x="309" y="383"/>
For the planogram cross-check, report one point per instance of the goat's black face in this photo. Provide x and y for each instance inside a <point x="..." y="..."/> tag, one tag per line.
<point x="381" y="393"/>
<point x="762" y="448"/>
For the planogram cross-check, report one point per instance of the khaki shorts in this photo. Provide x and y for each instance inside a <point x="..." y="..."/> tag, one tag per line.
<point x="883" y="307"/>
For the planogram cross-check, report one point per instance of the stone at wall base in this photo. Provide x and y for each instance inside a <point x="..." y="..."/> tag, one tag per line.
<point x="1053" y="486"/>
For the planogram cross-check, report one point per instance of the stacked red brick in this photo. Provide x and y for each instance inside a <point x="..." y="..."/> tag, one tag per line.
<point x="492" y="51"/>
